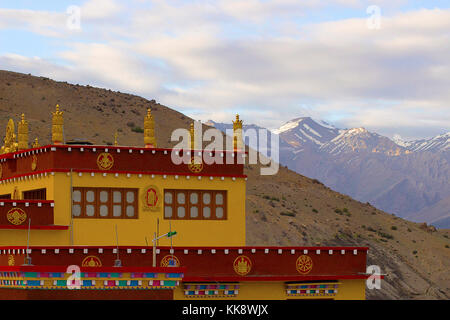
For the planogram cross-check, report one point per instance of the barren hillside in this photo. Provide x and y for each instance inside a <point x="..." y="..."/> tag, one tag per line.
<point x="286" y="209"/>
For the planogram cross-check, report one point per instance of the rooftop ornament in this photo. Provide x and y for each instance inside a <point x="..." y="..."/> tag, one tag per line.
<point x="149" y="130"/>
<point x="22" y="133"/>
<point x="57" y="126"/>
<point x="36" y="143"/>
<point x="10" y="144"/>
<point x="115" y="139"/>
<point x="237" y="134"/>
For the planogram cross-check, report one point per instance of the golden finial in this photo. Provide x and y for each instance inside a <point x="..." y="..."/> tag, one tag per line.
<point x="149" y="130"/>
<point x="57" y="126"/>
<point x="22" y="133"/>
<point x="10" y="144"/>
<point x="237" y="134"/>
<point x="115" y="139"/>
<point x="36" y="143"/>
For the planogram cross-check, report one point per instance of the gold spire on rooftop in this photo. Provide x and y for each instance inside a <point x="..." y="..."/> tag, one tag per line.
<point x="237" y="134"/>
<point x="57" y="126"/>
<point x="10" y="144"/>
<point x="115" y="139"/>
<point x="22" y="133"/>
<point x="149" y="130"/>
<point x="36" y="143"/>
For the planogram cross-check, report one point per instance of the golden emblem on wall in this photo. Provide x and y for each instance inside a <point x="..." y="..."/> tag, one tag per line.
<point x="196" y="165"/>
<point x="304" y="264"/>
<point x="151" y="198"/>
<point x="170" y="261"/>
<point x="34" y="162"/>
<point x="105" y="161"/>
<point x="16" y="216"/>
<point x="11" y="260"/>
<point x="242" y="265"/>
<point x="91" y="261"/>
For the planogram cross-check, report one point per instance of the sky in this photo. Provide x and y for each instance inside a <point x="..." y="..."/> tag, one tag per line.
<point x="382" y="65"/>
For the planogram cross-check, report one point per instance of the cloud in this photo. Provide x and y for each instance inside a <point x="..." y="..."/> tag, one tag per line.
<point x="259" y="58"/>
<point x="40" y="22"/>
<point x="404" y="63"/>
<point x="57" y="24"/>
<point x="100" y="9"/>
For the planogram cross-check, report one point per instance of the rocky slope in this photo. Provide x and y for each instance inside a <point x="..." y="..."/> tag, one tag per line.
<point x="285" y="209"/>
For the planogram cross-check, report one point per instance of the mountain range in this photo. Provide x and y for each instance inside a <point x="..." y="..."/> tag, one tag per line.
<point x="406" y="178"/>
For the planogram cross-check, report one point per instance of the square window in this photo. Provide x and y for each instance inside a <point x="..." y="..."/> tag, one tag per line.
<point x="117" y="210"/>
<point x="130" y="196"/>
<point x="76" y="210"/>
<point x="206" y="212"/>
<point x="168" y="212"/>
<point x="194" y="198"/>
<point x="90" y="196"/>
<point x="206" y="198"/>
<point x="181" y="198"/>
<point x="168" y="197"/>
<point x="117" y="196"/>
<point x="76" y="196"/>
<point x="130" y="211"/>
<point x="104" y="196"/>
<point x="90" y="210"/>
<point x="103" y="210"/>
<point x="219" y="212"/>
<point x="219" y="199"/>
<point x="194" y="212"/>
<point x="181" y="212"/>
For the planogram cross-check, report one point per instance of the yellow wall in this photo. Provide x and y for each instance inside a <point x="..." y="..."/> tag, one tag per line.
<point x="230" y="232"/>
<point x="347" y="290"/>
<point x="46" y="181"/>
<point x="352" y="290"/>
<point x="37" y="237"/>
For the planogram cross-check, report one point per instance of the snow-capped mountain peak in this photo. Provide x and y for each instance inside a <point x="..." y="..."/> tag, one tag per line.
<point x="361" y="140"/>
<point x="288" y="126"/>
<point x="436" y="144"/>
<point x="306" y="131"/>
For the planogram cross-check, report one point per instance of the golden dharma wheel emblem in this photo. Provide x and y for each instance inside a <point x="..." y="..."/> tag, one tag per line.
<point x="242" y="265"/>
<point x="170" y="261"/>
<point x="16" y="216"/>
<point x="91" y="261"/>
<point x="196" y="165"/>
<point x="304" y="264"/>
<point x="11" y="260"/>
<point x="105" y="161"/>
<point x="34" y="162"/>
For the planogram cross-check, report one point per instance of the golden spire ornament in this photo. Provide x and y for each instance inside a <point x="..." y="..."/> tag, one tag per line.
<point x="10" y="144"/>
<point x="57" y="126"/>
<point x="22" y="133"/>
<point x="149" y="130"/>
<point x="115" y="139"/>
<point x="237" y="134"/>
<point x="36" y="143"/>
